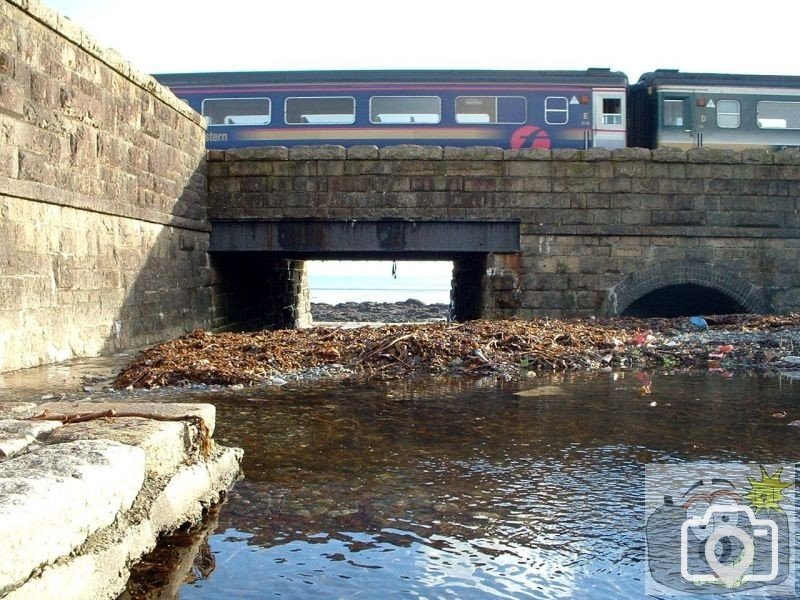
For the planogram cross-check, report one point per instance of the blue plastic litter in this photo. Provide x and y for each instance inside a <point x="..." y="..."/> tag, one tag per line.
<point x="698" y="322"/>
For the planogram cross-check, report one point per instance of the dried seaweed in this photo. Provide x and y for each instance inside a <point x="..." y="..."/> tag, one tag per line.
<point x="473" y="347"/>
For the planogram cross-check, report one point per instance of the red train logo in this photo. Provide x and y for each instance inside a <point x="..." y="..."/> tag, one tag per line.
<point x="530" y="136"/>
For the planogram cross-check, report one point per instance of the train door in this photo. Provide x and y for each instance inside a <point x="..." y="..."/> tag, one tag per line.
<point x="608" y="119"/>
<point x="676" y="122"/>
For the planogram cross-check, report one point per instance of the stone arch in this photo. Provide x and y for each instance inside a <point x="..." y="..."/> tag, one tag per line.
<point x="663" y="274"/>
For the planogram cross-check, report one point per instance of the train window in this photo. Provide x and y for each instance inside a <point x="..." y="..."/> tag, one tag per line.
<point x="236" y="111"/>
<point x="728" y="114"/>
<point x="491" y="109"/>
<point x="323" y="110"/>
<point x="612" y="111"/>
<point x="556" y="110"/>
<point x="673" y="112"/>
<point x="778" y="115"/>
<point x="405" y="109"/>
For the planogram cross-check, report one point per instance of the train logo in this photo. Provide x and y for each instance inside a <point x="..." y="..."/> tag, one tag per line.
<point x="530" y="136"/>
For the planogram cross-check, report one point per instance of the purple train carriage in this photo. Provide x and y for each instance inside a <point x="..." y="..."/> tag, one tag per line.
<point x="507" y="109"/>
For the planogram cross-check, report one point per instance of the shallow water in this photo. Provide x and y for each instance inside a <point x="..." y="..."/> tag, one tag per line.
<point x="455" y="488"/>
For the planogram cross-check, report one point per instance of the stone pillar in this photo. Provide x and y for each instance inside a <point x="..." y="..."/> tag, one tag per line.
<point x="502" y="285"/>
<point x="301" y="294"/>
<point x="466" y="294"/>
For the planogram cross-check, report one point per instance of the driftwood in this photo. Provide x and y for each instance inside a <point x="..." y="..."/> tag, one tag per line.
<point x="70" y="418"/>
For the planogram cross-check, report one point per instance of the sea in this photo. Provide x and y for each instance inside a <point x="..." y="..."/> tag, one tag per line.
<point x="337" y="282"/>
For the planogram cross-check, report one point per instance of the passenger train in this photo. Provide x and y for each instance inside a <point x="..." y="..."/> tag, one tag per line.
<point x="509" y="109"/>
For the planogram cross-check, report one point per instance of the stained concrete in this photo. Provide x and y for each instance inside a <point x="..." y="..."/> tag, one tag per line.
<point x="81" y="503"/>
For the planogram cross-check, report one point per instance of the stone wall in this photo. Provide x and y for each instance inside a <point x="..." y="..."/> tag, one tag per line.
<point x="599" y="228"/>
<point x="103" y="231"/>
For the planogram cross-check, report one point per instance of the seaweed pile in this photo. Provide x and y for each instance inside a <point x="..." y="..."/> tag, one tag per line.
<point x="477" y="347"/>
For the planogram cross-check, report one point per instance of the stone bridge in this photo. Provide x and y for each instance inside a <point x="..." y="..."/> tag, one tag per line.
<point x="117" y="230"/>
<point x="531" y="232"/>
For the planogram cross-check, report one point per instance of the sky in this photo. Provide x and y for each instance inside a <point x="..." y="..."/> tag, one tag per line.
<point x="170" y="36"/>
<point x="631" y="36"/>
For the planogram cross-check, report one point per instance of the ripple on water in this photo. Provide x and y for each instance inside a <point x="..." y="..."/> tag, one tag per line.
<point x="447" y="489"/>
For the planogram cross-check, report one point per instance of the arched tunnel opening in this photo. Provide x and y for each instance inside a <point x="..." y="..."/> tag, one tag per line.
<point x="683" y="300"/>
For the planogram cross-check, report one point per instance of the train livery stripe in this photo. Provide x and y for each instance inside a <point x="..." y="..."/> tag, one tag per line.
<point x="358" y="133"/>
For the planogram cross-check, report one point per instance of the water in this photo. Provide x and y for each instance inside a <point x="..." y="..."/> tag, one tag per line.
<point x="335" y="282"/>
<point x="460" y="489"/>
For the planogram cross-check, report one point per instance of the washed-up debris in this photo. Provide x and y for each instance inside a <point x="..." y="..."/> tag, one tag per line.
<point x="698" y="322"/>
<point x="476" y="347"/>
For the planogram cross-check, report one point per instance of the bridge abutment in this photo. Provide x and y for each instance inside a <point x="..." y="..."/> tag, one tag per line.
<point x="254" y="291"/>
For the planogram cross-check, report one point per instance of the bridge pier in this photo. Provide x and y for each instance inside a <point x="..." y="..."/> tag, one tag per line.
<point x="252" y="290"/>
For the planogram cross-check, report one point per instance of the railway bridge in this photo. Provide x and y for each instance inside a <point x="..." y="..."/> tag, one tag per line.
<point x="530" y="232"/>
<point x="119" y="230"/>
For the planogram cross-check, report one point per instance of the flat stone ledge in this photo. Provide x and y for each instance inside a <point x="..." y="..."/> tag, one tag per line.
<point x="713" y="155"/>
<point x="255" y="153"/>
<point x="364" y="152"/>
<point x="166" y="444"/>
<point x="102" y="566"/>
<point x="208" y="412"/>
<point x="473" y="153"/>
<point x="52" y="499"/>
<point x="528" y="154"/>
<point x="321" y="152"/>
<point x="77" y="513"/>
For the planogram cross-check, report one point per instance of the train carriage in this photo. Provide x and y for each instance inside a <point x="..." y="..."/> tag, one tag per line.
<point x="509" y="109"/>
<point x="685" y="110"/>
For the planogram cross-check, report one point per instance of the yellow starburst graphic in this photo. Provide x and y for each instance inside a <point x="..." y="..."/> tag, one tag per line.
<point x="766" y="493"/>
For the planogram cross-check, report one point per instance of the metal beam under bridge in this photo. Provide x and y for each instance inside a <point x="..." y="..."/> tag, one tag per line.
<point x="310" y="237"/>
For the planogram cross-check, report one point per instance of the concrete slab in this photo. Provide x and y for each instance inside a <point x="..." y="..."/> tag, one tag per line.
<point x="101" y="570"/>
<point x="16" y="410"/>
<point x="167" y="444"/>
<point x="53" y="499"/>
<point x="16" y="436"/>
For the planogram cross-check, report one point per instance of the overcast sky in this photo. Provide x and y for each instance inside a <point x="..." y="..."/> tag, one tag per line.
<point x="630" y="36"/>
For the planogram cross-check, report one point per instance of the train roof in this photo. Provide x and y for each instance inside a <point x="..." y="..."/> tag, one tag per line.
<point x="595" y="76"/>
<point x="662" y="77"/>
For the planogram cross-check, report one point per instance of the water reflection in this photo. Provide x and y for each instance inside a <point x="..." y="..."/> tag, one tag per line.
<point x="448" y="488"/>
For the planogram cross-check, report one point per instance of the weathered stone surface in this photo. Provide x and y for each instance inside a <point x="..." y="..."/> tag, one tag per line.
<point x="166" y="444"/>
<point x="411" y="152"/>
<point x="16" y="410"/>
<point x="101" y="569"/>
<point x="101" y="185"/>
<point x="322" y="152"/>
<point x="16" y="436"/>
<point x="473" y="153"/>
<point x="362" y="153"/>
<point x="208" y="412"/>
<point x="594" y="217"/>
<point x="51" y="500"/>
